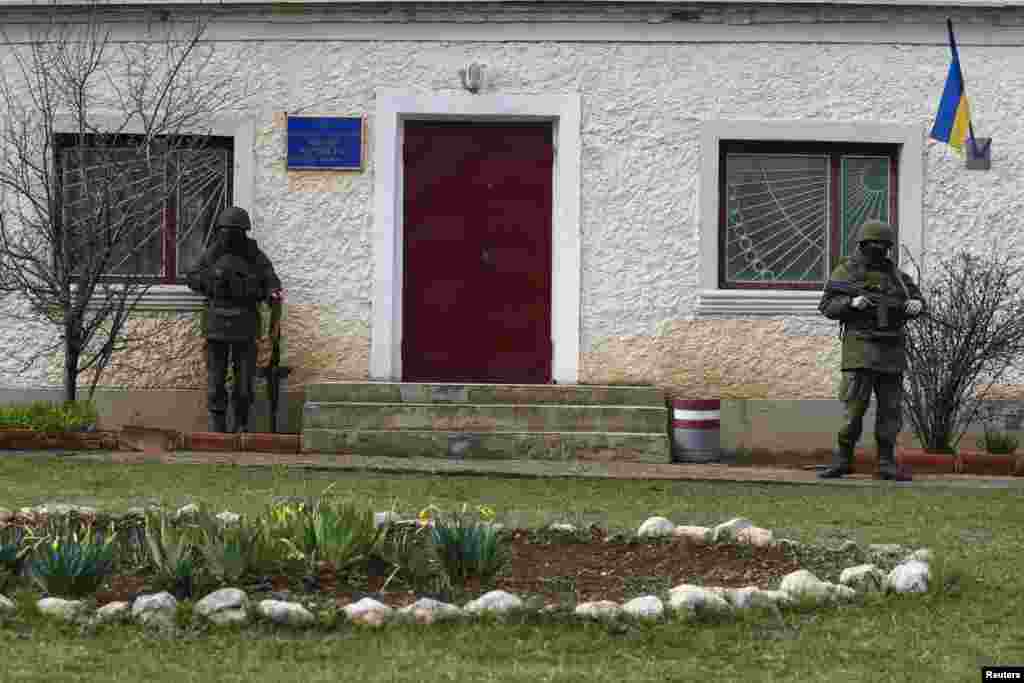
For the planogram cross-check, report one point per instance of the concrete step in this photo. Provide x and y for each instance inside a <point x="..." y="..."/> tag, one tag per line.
<point x="557" y="446"/>
<point x="478" y="394"/>
<point x="486" y="417"/>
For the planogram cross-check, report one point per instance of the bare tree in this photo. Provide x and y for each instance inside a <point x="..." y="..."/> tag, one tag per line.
<point x="109" y="181"/>
<point x="971" y="339"/>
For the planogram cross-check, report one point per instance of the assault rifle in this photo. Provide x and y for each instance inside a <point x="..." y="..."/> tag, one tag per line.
<point x="885" y="305"/>
<point x="273" y="372"/>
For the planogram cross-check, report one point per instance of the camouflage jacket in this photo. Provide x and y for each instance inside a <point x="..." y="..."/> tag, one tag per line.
<point x="865" y="345"/>
<point x="234" y="286"/>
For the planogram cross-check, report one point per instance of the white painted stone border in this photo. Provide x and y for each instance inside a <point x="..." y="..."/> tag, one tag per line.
<point x="396" y="106"/>
<point x="911" y="575"/>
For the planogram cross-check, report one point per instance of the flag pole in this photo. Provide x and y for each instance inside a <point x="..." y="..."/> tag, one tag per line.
<point x="963" y="84"/>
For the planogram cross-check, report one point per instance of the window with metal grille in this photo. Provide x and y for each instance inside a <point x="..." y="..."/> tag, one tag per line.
<point x="150" y="207"/>
<point x="789" y="212"/>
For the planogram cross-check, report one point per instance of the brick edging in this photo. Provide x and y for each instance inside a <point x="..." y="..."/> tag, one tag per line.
<point x="31" y="440"/>
<point x="257" y="442"/>
<point x="866" y="460"/>
<point x="163" y="440"/>
<point x="146" y="439"/>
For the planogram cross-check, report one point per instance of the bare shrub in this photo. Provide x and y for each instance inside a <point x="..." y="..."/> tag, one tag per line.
<point x="971" y="339"/>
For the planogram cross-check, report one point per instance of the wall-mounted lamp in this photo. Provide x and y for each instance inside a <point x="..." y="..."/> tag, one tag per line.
<point x="472" y="77"/>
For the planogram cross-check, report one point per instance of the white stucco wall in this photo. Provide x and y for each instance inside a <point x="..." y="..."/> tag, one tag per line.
<point x="642" y="105"/>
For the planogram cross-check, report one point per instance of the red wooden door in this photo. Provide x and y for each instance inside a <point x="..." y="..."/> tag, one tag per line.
<point x="476" y="297"/>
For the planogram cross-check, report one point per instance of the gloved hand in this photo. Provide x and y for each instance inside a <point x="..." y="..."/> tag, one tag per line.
<point x="860" y="302"/>
<point x="913" y="306"/>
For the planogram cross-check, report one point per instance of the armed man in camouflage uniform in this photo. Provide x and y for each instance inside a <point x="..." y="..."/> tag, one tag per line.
<point x="235" y="276"/>
<point x="874" y="358"/>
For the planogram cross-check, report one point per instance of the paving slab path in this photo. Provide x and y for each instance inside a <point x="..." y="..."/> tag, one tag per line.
<point x="525" y="468"/>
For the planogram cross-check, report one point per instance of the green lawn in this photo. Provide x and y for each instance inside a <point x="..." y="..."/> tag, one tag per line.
<point x="974" y="615"/>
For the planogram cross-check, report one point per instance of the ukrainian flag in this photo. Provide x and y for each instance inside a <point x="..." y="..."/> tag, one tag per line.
<point x="953" y="122"/>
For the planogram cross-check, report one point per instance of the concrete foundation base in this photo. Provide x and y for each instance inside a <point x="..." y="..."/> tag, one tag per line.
<point x="811" y="425"/>
<point x="780" y="425"/>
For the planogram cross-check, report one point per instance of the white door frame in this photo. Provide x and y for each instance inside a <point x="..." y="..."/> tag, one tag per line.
<point x="393" y="108"/>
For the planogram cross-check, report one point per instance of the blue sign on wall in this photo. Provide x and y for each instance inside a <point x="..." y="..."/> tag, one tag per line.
<point x="325" y="142"/>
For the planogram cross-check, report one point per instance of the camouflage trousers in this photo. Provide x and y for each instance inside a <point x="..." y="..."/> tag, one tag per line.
<point x="855" y="391"/>
<point x="242" y="356"/>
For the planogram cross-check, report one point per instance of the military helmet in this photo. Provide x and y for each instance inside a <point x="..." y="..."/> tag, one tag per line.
<point x="234" y="217"/>
<point x="877" y="231"/>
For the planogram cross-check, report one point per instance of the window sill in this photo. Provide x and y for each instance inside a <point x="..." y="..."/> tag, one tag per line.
<point x="744" y="303"/>
<point x="170" y="299"/>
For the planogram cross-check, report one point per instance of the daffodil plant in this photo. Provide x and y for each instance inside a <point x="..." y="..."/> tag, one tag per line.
<point x="69" y="566"/>
<point x="466" y="547"/>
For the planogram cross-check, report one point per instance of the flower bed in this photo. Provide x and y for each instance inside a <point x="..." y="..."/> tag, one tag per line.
<point x="71" y="425"/>
<point x="323" y="557"/>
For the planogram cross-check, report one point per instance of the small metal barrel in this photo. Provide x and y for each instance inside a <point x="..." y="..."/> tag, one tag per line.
<point x="696" y="430"/>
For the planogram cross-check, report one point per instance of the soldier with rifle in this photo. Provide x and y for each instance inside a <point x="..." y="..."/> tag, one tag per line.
<point x="872" y="299"/>
<point x="234" y="276"/>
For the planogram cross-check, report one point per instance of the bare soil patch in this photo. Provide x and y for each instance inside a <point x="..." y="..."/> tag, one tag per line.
<point x="618" y="570"/>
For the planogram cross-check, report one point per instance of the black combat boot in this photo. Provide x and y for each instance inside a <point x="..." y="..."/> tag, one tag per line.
<point x="241" y="416"/>
<point x="887" y="467"/>
<point x="218" y="421"/>
<point x="842" y="464"/>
